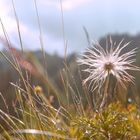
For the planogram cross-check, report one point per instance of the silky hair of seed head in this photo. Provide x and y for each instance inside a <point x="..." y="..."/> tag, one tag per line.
<point x="102" y="61"/>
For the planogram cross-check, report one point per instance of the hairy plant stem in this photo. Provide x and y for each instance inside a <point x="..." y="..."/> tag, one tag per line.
<point x="105" y="95"/>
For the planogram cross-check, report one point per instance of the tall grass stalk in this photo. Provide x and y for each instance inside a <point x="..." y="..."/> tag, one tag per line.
<point x="41" y="39"/>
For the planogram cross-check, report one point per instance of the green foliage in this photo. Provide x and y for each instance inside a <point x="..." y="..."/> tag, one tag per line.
<point x="38" y="119"/>
<point x="111" y="123"/>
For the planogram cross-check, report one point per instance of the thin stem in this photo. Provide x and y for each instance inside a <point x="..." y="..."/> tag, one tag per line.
<point x="18" y="26"/>
<point x="41" y="39"/>
<point x="105" y="96"/>
<point x="63" y="30"/>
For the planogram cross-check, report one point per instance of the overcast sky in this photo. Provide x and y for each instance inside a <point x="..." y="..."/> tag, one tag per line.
<point x="100" y="17"/>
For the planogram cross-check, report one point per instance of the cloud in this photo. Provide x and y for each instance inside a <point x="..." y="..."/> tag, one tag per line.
<point x="5" y="18"/>
<point x="98" y="16"/>
<point x="4" y="9"/>
<point x="66" y="4"/>
<point x="73" y="4"/>
<point x="31" y="41"/>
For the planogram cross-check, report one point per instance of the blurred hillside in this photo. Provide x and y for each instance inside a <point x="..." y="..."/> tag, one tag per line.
<point x="54" y="66"/>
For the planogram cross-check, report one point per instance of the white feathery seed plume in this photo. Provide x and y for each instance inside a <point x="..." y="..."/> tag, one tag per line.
<point x="101" y="61"/>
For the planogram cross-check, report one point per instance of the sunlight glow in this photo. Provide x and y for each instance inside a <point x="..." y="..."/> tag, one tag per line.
<point x="72" y="4"/>
<point x="67" y="4"/>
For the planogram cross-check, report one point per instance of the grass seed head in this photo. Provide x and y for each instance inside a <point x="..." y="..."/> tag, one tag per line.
<point x="102" y="61"/>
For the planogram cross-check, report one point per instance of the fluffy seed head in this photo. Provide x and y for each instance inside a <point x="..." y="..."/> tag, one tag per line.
<point x="101" y="61"/>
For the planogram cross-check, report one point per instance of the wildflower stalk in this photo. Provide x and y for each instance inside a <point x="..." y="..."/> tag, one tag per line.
<point x="101" y="62"/>
<point x="105" y="95"/>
